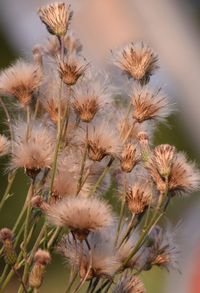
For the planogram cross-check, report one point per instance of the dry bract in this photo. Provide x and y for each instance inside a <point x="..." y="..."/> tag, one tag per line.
<point x="56" y="17"/>
<point x="21" y="81"/>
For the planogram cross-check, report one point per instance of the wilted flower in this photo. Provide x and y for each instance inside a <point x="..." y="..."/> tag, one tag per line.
<point x="81" y="215"/>
<point x="131" y="284"/>
<point x="137" y="61"/>
<point x="56" y="17"/>
<point x="129" y="157"/>
<point x="41" y="259"/>
<point x="4" y="145"/>
<point x="71" y="70"/>
<point x="33" y="152"/>
<point x="20" y="80"/>
<point x="98" y="260"/>
<point x="89" y="97"/>
<point x="149" y="105"/>
<point x="163" y="251"/>
<point x="102" y="141"/>
<point x="138" y="196"/>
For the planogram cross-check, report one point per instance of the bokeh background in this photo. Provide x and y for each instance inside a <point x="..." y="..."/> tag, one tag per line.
<point x="172" y="28"/>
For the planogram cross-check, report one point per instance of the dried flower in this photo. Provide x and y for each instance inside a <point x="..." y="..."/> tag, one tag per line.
<point x="131" y="284"/>
<point x="102" y="141"/>
<point x="81" y="215"/>
<point x="41" y="259"/>
<point x="71" y="70"/>
<point x="6" y="237"/>
<point x="137" y="61"/>
<point x="163" y="251"/>
<point x="138" y="196"/>
<point x="89" y="97"/>
<point x="184" y="177"/>
<point x="4" y="145"/>
<point x="149" y="105"/>
<point x="20" y="80"/>
<point x="34" y="152"/>
<point x="172" y="173"/>
<point x="56" y="17"/>
<point x="99" y="261"/>
<point x="129" y="157"/>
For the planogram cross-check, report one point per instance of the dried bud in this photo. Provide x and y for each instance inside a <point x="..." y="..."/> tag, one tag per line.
<point x="41" y="259"/>
<point x="138" y="197"/>
<point x="6" y="238"/>
<point x="129" y="158"/>
<point x="56" y="17"/>
<point x="70" y="71"/>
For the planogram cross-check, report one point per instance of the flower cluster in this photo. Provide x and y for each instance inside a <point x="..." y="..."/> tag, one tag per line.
<point x="78" y="145"/>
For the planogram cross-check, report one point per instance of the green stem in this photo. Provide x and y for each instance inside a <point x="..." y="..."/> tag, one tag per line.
<point x="72" y="282"/>
<point x="120" y="221"/>
<point x="11" y="178"/>
<point x="83" y="162"/>
<point x="8" y="120"/>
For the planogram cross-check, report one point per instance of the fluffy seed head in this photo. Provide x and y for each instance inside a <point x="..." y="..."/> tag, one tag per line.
<point x="4" y="145"/>
<point x="130" y="284"/>
<point x="100" y="261"/>
<point x="71" y="70"/>
<point x="129" y="157"/>
<point x="34" y="152"/>
<point x="137" y="61"/>
<point x="163" y="252"/>
<point x="89" y="97"/>
<point x="56" y="17"/>
<point x="149" y="105"/>
<point x="20" y="80"/>
<point x="102" y="141"/>
<point x="81" y="215"/>
<point x="138" y="196"/>
<point x="184" y="177"/>
<point x="181" y="177"/>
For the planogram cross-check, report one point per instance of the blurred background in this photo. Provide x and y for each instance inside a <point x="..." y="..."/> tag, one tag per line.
<point x="172" y="28"/>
